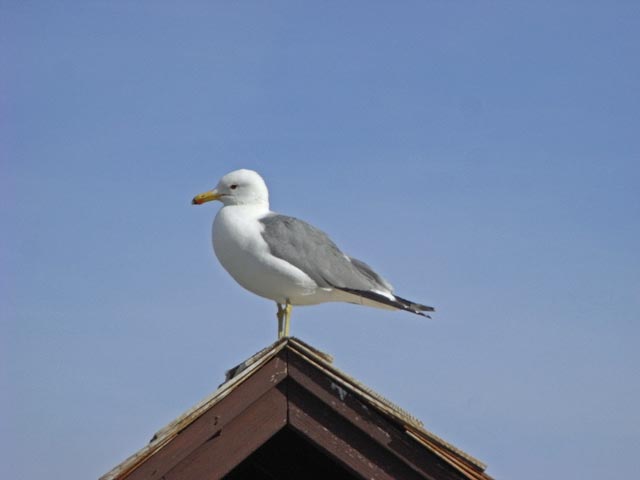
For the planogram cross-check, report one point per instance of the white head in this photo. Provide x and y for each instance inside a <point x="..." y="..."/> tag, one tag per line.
<point x="240" y="187"/>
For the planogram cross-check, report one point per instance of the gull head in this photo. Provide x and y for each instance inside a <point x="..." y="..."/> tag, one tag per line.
<point x="240" y="187"/>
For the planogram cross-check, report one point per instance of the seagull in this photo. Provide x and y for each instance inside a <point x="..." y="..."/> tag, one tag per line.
<point x="286" y="259"/>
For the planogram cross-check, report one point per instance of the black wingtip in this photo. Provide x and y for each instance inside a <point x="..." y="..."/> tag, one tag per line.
<point x="398" y="302"/>
<point x="415" y="306"/>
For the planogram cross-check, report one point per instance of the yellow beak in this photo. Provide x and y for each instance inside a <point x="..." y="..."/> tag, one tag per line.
<point x="205" y="197"/>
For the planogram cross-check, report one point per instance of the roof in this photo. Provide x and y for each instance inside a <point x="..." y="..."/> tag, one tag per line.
<point x="291" y="385"/>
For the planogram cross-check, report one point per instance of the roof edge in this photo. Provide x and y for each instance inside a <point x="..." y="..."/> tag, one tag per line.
<point x="459" y="459"/>
<point x="165" y="434"/>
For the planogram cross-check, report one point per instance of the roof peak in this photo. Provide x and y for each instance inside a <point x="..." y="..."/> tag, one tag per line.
<point x="291" y="361"/>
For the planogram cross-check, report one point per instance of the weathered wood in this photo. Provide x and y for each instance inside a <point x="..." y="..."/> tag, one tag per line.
<point x="389" y="435"/>
<point x="336" y="426"/>
<point x="211" y="422"/>
<point x="234" y="443"/>
<point x="341" y="440"/>
<point x="461" y="461"/>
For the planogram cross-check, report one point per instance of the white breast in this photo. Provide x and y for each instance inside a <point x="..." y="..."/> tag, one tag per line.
<point x="240" y="248"/>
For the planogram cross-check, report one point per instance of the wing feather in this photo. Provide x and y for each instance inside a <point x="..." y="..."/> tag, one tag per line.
<point x="312" y="251"/>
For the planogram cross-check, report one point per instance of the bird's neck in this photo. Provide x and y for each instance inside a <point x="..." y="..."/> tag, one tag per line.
<point x="247" y="209"/>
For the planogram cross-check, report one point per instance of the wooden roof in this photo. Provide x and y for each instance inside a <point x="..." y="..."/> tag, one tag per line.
<point x="287" y="409"/>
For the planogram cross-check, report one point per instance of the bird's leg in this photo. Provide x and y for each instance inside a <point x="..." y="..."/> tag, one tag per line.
<point x="280" y="316"/>
<point x="287" y="319"/>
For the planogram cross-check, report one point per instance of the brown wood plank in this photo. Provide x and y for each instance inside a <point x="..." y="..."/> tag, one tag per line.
<point x="212" y="421"/>
<point x="384" y="431"/>
<point x="248" y="431"/>
<point x="340" y="439"/>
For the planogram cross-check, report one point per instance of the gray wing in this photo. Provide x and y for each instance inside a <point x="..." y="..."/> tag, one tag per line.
<point x="313" y="252"/>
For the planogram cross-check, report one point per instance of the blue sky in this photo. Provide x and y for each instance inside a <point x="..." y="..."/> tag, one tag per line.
<point x="483" y="156"/>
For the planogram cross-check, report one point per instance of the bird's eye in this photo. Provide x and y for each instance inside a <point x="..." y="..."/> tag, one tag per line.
<point x="233" y="187"/>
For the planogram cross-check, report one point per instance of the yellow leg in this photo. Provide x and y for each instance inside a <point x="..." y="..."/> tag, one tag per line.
<point x="287" y="319"/>
<point x="280" y="314"/>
